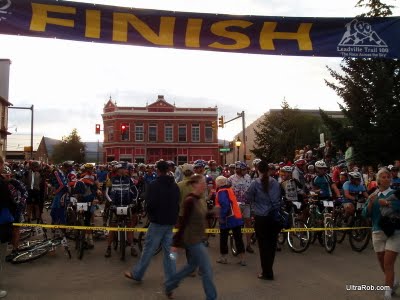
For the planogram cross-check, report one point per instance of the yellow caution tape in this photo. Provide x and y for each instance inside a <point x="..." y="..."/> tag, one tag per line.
<point x="208" y="230"/>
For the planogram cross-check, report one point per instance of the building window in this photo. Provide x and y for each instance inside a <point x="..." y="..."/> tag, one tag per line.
<point x="110" y="134"/>
<point x="182" y="160"/>
<point x="139" y="133"/>
<point x="182" y="133"/>
<point x="208" y="133"/>
<point x="195" y="133"/>
<point x="169" y="133"/>
<point x="153" y="133"/>
<point x="124" y="132"/>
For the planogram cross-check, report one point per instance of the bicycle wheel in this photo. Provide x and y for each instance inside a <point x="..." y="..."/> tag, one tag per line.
<point x="359" y="238"/>
<point x="30" y="255"/>
<point x="122" y="244"/>
<point x="232" y="245"/>
<point x="28" y="245"/>
<point x="340" y="234"/>
<point x="329" y="237"/>
<point x="81" y="244"/>
<point x="298" y="241"/>
<point x="25" y="234"/>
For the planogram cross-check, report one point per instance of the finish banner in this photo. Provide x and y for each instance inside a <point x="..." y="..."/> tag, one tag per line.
<point x="327" y="37"/>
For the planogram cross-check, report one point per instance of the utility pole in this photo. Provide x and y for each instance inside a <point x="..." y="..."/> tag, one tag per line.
<point x="31" y="109"/>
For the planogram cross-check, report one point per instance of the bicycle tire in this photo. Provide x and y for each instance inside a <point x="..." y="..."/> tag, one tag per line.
<point x="122" y="244"/>
<point x="329" y="238"/>
<point x="340" y="234"/>
<point x="30" y="255"/>
<point x="81" y="243"/>
<point x="27" y="245"/>
<point x="25" y="234"/>
<point x="232" y="245"/>
<point x="302" y="236"/>
<point x="361" y="236"/>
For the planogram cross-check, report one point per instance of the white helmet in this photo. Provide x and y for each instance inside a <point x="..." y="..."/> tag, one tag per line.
<point x="256" y="161"/>
<point x="354" y="175"/>
<point x="287" y="169"/>
<point x="321" y="164"/>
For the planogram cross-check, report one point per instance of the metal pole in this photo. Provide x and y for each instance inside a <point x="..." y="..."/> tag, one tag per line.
<point x="244" y="137"/>
<point x="238" y="158"/>
<point x="32" y="131"/>
<point x="98" y="150"/>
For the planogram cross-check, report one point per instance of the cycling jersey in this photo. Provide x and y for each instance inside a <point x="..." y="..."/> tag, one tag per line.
<point x="213" y="174"/>
<point x="323" y="183"/>
<point x="354" y="190"/>
<point x="123" y="191"/>
<point x="240" y="185"/>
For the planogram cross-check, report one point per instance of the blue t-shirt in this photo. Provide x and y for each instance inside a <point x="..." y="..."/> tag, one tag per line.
<point x="395" y="184"/>
<point x="353" y="189"/>
<point x="323" y="183"/>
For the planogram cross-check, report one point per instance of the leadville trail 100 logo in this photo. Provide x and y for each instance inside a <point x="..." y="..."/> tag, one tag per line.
<point x="360" y="40"/>
<point x="4" y="5"/>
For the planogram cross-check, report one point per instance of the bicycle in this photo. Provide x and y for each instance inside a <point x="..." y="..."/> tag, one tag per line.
<point x="123" y="214"/>
<point x="359" y="238"/>
<point x="39" y="249"/>
<point x="298" y="241"/>
<point x="81" y="215"/>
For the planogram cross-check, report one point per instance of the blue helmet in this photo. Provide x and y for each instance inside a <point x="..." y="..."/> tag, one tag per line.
<point x="240" y="165"/>
<point x="199" y="163"/>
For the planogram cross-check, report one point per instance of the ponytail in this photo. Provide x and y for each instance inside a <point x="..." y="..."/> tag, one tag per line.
<point x="263" y="169"/>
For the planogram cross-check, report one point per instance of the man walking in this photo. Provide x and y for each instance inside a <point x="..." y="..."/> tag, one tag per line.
<point x="162" y="208"/>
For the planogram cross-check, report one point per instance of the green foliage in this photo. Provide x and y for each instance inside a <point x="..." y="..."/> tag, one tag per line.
<point x="70" y="148"/>
<point x="370" y="89"/>
<point x="280" y="133"/>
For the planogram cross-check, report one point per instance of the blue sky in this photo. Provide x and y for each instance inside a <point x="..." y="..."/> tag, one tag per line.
<point x="69" y="82"/>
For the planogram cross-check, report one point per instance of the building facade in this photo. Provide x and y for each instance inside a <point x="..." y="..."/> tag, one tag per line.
<point x="159" y="131"/>
<point x="4" y="103"/>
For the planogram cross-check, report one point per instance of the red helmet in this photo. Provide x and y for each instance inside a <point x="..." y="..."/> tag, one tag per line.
<point x="300" y="162"/>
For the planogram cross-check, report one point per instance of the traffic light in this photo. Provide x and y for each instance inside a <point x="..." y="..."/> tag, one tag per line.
<point x="97" y="128"/>
<point x="124" y="131"/>
<point x="214" y="125"/>
<point x="221" y="121"/>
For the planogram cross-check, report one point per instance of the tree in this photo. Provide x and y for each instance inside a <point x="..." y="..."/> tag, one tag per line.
<point x="280" y="133"/>
<point x="70" y="148"/>
<point x="370" y="89"/>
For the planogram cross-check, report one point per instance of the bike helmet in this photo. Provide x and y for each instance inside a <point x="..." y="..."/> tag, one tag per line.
<point x="231" y="166"/>
<point x="170" y="163"/>
<point x="88" y="166"/>
<point x="321" y="164"/>
<point x="212" y="162"/>
<point x="199" y="163"/>
<point x="6" y="171"/>
<point x="68" y="163"/>
<point x="240" y="165"/>
<point x="354" y="175"/>
<point x="311" y="167"/>
<point x="300" y="162"/>
<point x="287" y="169"/>
<point x="256" y="161"/>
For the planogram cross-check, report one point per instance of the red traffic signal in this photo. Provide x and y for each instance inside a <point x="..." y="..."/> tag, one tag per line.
<point x="97" y="128"/>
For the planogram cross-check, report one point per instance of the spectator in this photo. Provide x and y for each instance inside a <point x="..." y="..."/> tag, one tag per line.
<point x="162" y="208"/>
<point x="190" y="236"/>
<point x="230" y="218"/>
<point x="265" y="197"/>
<point x="349" y="154"/>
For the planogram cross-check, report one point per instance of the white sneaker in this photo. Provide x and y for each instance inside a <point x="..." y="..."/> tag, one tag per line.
<point x="388" y="295"/>
<point x="3" y="294"/>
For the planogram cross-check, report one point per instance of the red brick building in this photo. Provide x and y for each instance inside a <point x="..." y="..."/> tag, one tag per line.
<point x="159" y="130"/>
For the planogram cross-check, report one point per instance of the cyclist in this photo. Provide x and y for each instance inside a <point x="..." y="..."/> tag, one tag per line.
<point x="291" y="189"/>
<point x="86" y="189"/>
<point x="171" y="168"/>
<point x="323" y="184"/>
<point x="121" y="191"/>
<point x="19" y="195"/>
<point x="353" y="191"/>
<point x="33" y="181"/>
<point x="298" y="173"/>
<point x="240" y="182"/>
<point x="213" y="171"/>
<point x="59" y="181"/>
<point x="309" y="177"/>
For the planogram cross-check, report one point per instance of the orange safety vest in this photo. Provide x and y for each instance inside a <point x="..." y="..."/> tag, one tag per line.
<point x="232" y="198"/>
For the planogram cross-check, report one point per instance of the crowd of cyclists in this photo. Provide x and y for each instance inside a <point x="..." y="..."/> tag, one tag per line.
<point x="35" y="185"/>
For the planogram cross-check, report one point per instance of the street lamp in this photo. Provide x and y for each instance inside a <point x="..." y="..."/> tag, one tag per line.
<point x="238" y="143"/>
